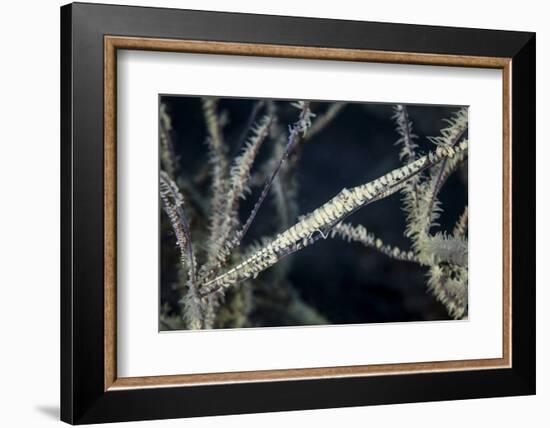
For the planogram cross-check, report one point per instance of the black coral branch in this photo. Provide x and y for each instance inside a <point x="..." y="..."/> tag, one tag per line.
<point x="219" y="168"/>
<point x="321" y="221"/>
<point x="299" y="128"/>
<point x="238" y="188"/>
<point x="172" y="203"/>
<point x="358" y="233"/>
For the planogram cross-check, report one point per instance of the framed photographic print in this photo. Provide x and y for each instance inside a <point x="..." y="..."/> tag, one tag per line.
<point x="266" y="213"/>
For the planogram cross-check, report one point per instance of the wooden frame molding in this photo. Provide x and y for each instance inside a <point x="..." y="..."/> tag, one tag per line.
<point x="113" y="43"/>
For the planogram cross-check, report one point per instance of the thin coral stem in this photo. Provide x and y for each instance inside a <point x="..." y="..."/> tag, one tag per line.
<point x="168" y="155"/>
<point x="250" y="121"/>
<point x="219" y="167"/>
<point x="408" y="135"/>
<point x="267" y="186"/>
<point x="325" y="119"/>
<point x="461" y="225"/>
<point x="172" y="201"/>
<point x="294" y="135"/>
<point x="408" y="150"/>
<point x="438" y="182"/>
<point x="238" y="186"/>
<point x="360" y="234"/>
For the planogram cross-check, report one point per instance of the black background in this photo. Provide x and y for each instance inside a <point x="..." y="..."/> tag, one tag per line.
<point x="345" y="282"/>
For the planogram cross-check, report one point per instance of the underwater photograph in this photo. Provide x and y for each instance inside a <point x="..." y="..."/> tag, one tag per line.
<point x="280" y="213"/>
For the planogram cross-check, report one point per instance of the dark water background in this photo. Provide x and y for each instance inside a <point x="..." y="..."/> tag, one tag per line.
<point x="346" y="282"/>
